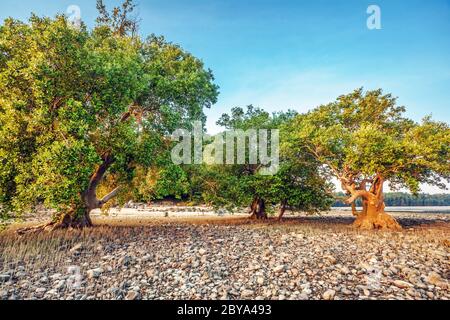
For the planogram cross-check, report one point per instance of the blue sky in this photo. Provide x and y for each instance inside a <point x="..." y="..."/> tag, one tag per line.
<point x="299" y="54"/>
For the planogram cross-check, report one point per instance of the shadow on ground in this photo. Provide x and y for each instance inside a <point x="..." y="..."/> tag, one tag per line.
<point x="405" y="222"/>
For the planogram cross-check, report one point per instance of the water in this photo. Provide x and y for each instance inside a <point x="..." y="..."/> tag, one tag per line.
<point x="418" y="209"/>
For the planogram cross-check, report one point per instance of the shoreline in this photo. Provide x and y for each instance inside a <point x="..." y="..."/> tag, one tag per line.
<point x="173" y="213"/>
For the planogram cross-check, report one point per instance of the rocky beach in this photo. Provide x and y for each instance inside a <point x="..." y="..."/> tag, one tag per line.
<point x="230" y="257"/>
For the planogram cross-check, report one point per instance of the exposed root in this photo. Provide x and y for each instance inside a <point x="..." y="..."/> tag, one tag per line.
<point x="67" y="221"/>
<point x="381" y="221"/>
<point x="50" y="226"/>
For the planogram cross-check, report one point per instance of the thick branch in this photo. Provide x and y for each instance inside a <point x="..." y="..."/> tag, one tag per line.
<point x="379" y="187"/>
<point x="91" y="193"/>
<point x="125" y="116"/>
<point x="133" y="110"/>
<point x="363" y="184"/>
<point x="100" y="172"/>
<point x="109" y="196"/>
<point x="355" y="193"/>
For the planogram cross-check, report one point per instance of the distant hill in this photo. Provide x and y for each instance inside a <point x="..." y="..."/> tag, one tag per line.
<point x="403" y="199"/>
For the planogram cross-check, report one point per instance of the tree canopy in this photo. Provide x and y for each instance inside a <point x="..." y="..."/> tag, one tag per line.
<point x="76" y="105"/>
<point x="363" y="139"/>
<point x="86" y="117"/>
<point x="295" y="185"/>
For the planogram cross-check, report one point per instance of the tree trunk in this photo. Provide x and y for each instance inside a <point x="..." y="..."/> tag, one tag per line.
<point x="253" y="208"/>
<point x="75" y="219"/>
<point x="375" y="218"/>
<point x="372" y="216"/>
<point x="258" y="209"/>
<point x="354" y="211"/>
<point x="261" y="212"/>
<point x="79" y="216"/>
<point x="282" y="209"/>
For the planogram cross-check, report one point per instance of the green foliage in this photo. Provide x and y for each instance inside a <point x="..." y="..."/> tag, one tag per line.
<point x="168" y="181"/>
<point x="297" y="182"/>
<point x="71" y="98"/>
<point x="179" y="86"/>
<point x="364" y="134"/>
<point x="119" y="19"/>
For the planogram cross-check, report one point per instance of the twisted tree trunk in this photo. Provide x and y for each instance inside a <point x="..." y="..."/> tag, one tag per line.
<point x="79" y="215"/>
<point x="372" y="216"/>
<point x="258" y="209"/>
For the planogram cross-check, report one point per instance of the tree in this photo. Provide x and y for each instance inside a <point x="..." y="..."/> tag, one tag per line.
<point x="363" y="140"/>
<point x="296" y="184"/>
<point x="77" y="106"/>
<point x="300" y="186"/>
<point x="251" y="183"/>
<point x="119" y="19"/>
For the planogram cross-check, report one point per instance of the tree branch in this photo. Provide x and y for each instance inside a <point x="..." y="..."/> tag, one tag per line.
<point x="354" y="211"/>
<point x="332" y="168"/>
<point x="355" y="194"/>
<point x="90" y="195"/>
<point x="99" y="173"/>
<point x="109" y="196"/>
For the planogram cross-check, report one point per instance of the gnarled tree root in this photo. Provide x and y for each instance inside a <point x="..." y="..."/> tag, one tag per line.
<point x="50" y="226"/>
<point x="379" y="221"/>
<point x="67" y="221"/>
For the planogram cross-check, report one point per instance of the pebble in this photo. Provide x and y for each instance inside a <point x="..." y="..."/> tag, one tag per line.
<point x="247" y="293"/>
<point x="132" y="295"/>
<point x="94" y="273"/>
<point x="76" y="248"/>
<point x="402" y="284"/>
<point x="279" y="268"/>
<point x="329" y="294"/>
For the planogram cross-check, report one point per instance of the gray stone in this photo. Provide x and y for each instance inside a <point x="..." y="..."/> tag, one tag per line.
<point x="4" y="277"/>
